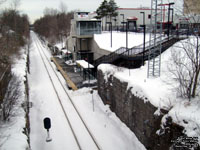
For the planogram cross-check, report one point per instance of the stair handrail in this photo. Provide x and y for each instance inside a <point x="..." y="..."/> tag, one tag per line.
<point x="136" y="49"/>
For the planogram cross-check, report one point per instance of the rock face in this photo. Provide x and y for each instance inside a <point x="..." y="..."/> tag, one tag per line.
<point x="137" y="114"/>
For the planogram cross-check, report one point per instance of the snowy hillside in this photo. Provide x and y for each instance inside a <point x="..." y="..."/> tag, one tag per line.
<point x="12" y="136"/>
<point x="161" y="92"/>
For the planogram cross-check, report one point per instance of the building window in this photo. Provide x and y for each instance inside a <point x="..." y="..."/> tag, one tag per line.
<point x="89" y="27"/>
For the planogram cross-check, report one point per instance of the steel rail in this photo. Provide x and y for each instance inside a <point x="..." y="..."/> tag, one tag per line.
<point x="74" y="106"/>
<point x="66" y="116"/>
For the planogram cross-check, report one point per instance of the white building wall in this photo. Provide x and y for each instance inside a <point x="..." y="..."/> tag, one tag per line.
<point x="134" y="12"/>
<point x="129" y="12"/>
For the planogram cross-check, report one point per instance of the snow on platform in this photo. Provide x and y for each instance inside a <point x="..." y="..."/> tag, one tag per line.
<point x="84" y="64"/>
<point x="119" y="40"/>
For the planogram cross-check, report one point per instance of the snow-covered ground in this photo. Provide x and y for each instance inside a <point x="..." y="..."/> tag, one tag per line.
<point x="119" y="40"/>
<point x="107" y="129"/>
<point x="161" y="92"/>
<point x="11" y="131"/>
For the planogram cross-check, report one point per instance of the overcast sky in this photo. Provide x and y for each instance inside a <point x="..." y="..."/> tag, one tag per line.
<point x="35" y="8"/>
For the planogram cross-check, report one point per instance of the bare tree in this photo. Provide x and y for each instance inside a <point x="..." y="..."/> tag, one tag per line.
<point x="63" y="7"/>
<point x="15" y="4"/>
<point x="185" y="66"/>
<point x="185" y="58"/>
<point x="11" y="98"/>
<point x="50" y="12"/>
<point x="56" y="24"/>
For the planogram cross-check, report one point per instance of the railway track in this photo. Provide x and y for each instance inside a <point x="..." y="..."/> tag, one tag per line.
<point x="82" y="135"/>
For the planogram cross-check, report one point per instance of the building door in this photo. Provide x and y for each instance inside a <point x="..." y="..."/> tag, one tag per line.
<point x="84" y="44"/>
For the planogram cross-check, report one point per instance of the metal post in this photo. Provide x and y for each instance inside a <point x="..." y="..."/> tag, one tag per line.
<point x="91" y="92"/>
<point x="144" y="44"/>
<point x="93" y="102"/>
<point x="127" y="43"/>
<point x="123" y="20"/>
<point x="144" y="26"/>
<point x="169" y="19"/>
<point x="168" y="22"/>
<point x="110" y="25"/>
<point x="172" y="17"/>
<point x="127" y="47"/>
<point x="111" y="33"/>
<point x="88" y="68"/>
<point x="115" y="23"/>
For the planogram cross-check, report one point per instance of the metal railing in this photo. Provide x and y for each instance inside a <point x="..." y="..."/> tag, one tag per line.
<point x="138" y="50"/>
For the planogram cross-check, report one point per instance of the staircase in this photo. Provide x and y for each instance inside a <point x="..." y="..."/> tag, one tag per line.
<point x="133" y="57"/>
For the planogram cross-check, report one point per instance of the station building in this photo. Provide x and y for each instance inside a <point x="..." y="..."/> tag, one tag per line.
<point x="132" y="16"/>
<point x="80" y="41"/>
<point x="84" y="25"/>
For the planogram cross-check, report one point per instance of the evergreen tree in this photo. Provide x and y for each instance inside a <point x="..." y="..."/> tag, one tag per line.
<point x="112" y="7"/>
<point x="107" y="9"/>
<point x="102" y="10"/>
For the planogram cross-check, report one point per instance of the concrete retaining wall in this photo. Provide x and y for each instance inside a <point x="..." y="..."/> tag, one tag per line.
<point x="98" y="52"/>
<point x="136" y="114"/>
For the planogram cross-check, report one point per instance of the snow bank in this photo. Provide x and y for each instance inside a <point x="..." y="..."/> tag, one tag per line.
<point x="109" y="131"/>
<point x="152" y="89"/>
<point x="11" y="132"/>
<point x="187" y="114"/>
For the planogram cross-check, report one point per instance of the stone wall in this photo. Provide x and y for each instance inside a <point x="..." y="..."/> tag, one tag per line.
<point x="137" y="114"/>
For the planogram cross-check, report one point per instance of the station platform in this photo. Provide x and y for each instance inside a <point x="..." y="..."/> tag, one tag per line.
<point x="72" y="77"/>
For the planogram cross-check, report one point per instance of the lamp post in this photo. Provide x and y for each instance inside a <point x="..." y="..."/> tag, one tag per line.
<point x="91" y="92"/>
<point x="88" y="67"/>
<point x="110" y="24"/>
<point x="169" y="18"/>
<point x="172" y="17"/>
<point x="75" y="49"/>
<point x="115" y="19"/>
<point x="144" y="26"/>
<point x="127" y="43"/>
<point x="123" y="20"/>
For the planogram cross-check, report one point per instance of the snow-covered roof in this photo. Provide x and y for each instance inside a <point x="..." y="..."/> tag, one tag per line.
<point x="132" y="18"/>
<point x="65" y="51"/>
<point x="84" y="64"/>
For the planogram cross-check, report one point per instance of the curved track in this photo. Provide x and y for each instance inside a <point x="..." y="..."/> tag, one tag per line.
<point x="82" y="135"/>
